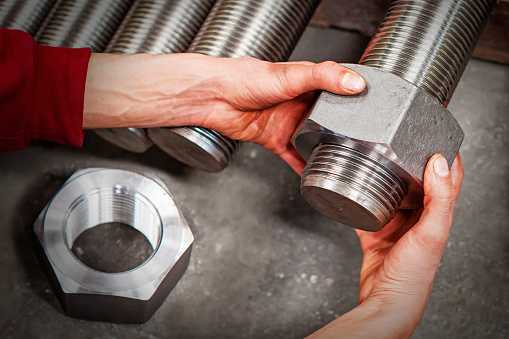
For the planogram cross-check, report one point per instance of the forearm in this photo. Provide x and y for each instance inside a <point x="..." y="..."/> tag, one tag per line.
<point x="140" y="90"/>
<point x="371" y="319"/>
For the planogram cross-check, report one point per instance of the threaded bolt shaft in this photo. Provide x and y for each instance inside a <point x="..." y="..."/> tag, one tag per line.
<point x="78" y="23"/>
<point x="25" y="15"/>
<point x="426" y="42"/>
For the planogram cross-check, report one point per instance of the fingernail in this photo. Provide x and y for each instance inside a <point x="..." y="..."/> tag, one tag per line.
<point x="352" y="82"/>
<point x="441" y="167"/>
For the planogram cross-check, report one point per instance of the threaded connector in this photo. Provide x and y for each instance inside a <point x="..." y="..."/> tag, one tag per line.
<point x="351" y="187"/>
<point x="78" y="23"/>
<point x="25" y="15"/>
<point x="427" y="43"/>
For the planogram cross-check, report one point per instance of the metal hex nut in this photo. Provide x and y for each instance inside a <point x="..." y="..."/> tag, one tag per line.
<point x="392" y="120"/>
<point x="94" y="196"/>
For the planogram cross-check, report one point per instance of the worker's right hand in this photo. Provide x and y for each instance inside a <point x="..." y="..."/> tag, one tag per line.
<point x="241" y="98"/>
<point x="401" y="260"/>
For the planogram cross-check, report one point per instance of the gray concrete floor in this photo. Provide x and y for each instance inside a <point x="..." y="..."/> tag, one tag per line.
<point x="265" y="264"/>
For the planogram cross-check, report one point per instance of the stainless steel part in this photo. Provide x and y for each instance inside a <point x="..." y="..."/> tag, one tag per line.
<point x="155" y="27"/>
<point x="82" y="23"/>
<point x="25" y="15"/>
<point x="267" y="30"/>
<point x="96" y="196"/>
<point x="370" y="150"/>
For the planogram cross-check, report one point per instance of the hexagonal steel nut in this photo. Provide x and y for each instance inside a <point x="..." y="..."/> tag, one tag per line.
<point x="399" y="124"/>
<point x="126" y="297"/>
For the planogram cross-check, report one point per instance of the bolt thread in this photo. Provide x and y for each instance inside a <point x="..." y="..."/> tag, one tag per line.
<point x="159" y="26"/>
<point x="428" y="42"/>
<point x="363" y="174"/>
<point x="25" y="15"/>
<point x="78" y="23"/>
<point x="267" y="30"/>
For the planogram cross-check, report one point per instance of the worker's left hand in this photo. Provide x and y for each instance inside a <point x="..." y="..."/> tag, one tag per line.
<point x="401" y="260"/>
<point x="244" y="98"/>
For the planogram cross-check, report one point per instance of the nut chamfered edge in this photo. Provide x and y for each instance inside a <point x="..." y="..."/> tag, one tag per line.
<point x="125" y="297"/>
<point x="396" y="125"/>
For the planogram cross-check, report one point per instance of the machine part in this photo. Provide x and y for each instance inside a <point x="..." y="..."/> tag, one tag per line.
<point x="82" y="23"/>
<point x="98" y="196"/>
<point x="367" y="153"/>
<point x="25" y="15"/>
<point x="131" y="139"/>
<point x="155" y="27"/>
<point x="267" y="30"/>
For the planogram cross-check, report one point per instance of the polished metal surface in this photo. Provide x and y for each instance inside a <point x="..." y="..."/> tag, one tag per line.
<point x="428" y="43"/>
<point x="82" y="23"/>
<point x="400" y="120"/>
<point x="155" y="27"/>
<point x="132" y="139"/>
<point x="98" y="196"/>
<point x="267" y="30"/>
<point x="25" y="15"/>
<point x="365" y="193"/>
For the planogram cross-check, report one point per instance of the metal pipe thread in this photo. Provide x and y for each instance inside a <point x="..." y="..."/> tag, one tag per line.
<point x="375" y="190"/>
<point x="428" y="42"/>
<point x="155" y="27"/>
<point x="267" y="30"/>
<point x="159" y="26"/>
<point x="25" y="15"/>
<point x="79" y="23"/>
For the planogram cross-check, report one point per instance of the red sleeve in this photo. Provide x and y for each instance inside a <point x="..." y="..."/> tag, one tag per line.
<point x="41" y="91"/>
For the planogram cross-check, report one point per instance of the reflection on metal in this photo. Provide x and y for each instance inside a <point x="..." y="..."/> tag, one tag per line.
<point x="155" y="27"/>
<point x="426" y="44"/>
<point x="25" y="15"/>
<point x="267" y="30"/>
<point x="82" y="23"/>
<point x="98" y="196"/>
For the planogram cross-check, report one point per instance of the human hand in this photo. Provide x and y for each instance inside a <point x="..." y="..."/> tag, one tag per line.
<point x="401" y="260"/>
<point x="242" y="98"/>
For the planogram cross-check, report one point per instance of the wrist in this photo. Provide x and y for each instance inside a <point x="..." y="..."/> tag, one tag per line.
<point x="371" y="319"/>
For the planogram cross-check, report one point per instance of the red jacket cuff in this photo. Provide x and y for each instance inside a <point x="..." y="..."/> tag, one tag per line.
<point x="58" y="95"/>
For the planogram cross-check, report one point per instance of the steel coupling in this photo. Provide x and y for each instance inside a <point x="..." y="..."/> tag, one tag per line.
<point x="366" y="154"/>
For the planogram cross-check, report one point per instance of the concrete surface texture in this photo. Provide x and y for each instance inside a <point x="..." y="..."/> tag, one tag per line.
<point x="265" y="264"/>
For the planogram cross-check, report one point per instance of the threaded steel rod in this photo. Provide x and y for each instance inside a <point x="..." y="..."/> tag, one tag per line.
<point x="267" y="30"/>
<point x="25" y="15"/>
<point x="428" y="43"/>
<point x="83" y="23"/>
<point x="155" y="27"/>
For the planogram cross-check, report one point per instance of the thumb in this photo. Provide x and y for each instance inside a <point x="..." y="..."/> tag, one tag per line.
<point x="432" y="230"/>
<point x="295" y="79"/>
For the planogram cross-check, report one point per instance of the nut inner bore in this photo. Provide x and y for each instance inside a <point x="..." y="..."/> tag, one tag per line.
<point x="105" y="207"/>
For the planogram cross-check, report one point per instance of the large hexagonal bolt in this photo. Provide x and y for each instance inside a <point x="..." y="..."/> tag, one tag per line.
<point x="82" y="23"/>
<point x="366" y="154"/>
<point x="155" y="27"/>
<point x="267" y="30"/>
<point x="25" y="15"/>
<point x="99" y="196"/>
